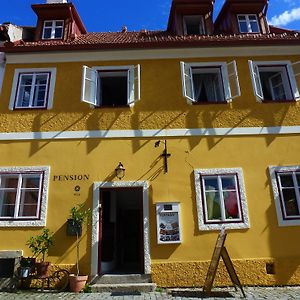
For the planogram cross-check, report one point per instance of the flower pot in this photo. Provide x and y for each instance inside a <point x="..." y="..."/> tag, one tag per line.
<point x="74" y="228"/>
<point x="77" y="283"/>
<point x="42" y="269"/>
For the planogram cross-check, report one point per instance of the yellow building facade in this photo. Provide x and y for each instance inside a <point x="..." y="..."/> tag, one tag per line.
<point x="233" y="163"/>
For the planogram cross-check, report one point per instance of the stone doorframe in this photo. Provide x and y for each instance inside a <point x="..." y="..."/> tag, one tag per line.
<point x="95" y="220"/>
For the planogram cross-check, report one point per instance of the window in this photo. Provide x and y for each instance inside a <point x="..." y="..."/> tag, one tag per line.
<point x="23" y="196"/>
<point x="33" y="88"/>
<point x="193" y="25"/>
<point x="111" y="86"/>
<point x="53" y="29"/>
<point x="210" y="82"/>
<point x="221" y="199"/>
<point x="248" y="23"/>
<point x="275" y="81"/>
<point x="286" y="190"/>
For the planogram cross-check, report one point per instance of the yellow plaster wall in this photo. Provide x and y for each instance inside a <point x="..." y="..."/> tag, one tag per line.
<point x="162" y="104"/>
<point x="98" y="158"/>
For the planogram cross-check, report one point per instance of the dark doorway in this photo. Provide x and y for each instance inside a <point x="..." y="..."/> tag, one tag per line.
<point x="121" y="247"/>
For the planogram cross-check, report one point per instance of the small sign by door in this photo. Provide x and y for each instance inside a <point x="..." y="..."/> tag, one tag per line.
<point x="168" y="223"/>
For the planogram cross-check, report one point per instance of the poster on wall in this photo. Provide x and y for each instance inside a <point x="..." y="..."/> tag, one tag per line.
<point x="168" y="223"/>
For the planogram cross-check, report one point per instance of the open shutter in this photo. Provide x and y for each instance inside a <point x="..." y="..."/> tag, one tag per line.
<point x="233" y="81"/>
<point x="134" y="85"/>
<point x="89" y="85"/>
<point x="258" y="92"/>
<point x="294" y="74"/>
<point x="187" y="82"/>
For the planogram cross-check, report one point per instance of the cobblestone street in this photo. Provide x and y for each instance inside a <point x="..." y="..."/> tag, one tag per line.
<point x="185" y="294"/>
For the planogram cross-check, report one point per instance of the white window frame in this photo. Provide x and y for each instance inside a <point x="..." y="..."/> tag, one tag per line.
<point x="202" y="29"/>
<point x="90" y="92"/>
<point x="53" y="29"/>
<point x="15" y="87"/>
<point x="282" y="219"/>
<point x="248" y="23"/>
<point x="187" y="80"/>
<point x="43" y="198"/>
<point x="291" y="86"/>
<point x="2" y="69"/>
<point x="203" y="224"/>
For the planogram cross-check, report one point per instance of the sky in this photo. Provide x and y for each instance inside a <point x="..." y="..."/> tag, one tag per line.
<point x="112" y="15"/>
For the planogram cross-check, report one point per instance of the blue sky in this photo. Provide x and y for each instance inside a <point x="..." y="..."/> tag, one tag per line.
<point x="111" y="15"/>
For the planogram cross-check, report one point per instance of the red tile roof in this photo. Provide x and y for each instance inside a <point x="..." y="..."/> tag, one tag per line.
<point x="154" y="39"/>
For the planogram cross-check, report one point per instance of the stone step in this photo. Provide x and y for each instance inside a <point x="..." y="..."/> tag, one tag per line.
<point x="124" y="288"/>
<point x="122" y="278"/>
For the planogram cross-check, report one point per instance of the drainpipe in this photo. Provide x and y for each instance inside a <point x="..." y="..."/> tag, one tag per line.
<point x="2" y="68"/>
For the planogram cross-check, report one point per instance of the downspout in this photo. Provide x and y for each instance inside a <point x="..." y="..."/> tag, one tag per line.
<point x="2" y="68"/>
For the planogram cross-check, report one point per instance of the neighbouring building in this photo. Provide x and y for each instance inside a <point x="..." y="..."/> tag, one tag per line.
<point x="204" y="118"/>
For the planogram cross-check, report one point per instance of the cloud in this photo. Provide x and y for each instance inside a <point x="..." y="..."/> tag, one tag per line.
<point x="286" y="17"/>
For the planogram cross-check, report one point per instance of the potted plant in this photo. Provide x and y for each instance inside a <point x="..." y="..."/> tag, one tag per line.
<point x="78" y="217"/>
<point x="39" y="245"/>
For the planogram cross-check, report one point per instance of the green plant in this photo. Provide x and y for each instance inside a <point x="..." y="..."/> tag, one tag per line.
<point x="87" y="289"/>
<point x="40" y="244"/>
<point x="80" y="216"/>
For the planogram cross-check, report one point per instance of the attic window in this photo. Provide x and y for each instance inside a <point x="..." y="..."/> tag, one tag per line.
<point x="248" y="24"/>
<point x="53" y="29"/>
<point x="193" y="25"/>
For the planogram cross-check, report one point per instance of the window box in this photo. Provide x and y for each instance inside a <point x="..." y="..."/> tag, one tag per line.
<point x="210" y="82"/>
<point x="53" y="29"/>
<point x="275" y="80"/>
<point x="111" y="86"/>
<point x="33" y="89"/>
<point x="286" y="190"/>
<point x="221" y="199"/>
<point x="23" y="196"/>
<point x="193" y="25"/>
<point x="248" y="24"/>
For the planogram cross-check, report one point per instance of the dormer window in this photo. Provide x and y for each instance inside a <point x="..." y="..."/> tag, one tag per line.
<point x="53" y="29"/>
<point x="193" y="25"/>
<point x="248" y="24"/>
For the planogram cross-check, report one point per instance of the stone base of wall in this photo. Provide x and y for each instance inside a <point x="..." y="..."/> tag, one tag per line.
<point x="250" y="272"/>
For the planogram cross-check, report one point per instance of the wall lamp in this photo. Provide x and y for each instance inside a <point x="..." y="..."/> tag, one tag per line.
<point x="120" y="171"/>
<point x="165" y="155"/>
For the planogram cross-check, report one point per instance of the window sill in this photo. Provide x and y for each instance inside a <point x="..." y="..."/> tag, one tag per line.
<point x="279" y="101"/>
<point x="22" y="223"/>
<point x="112" y="106"/>
<point x="30" y="108"/>
<point x="209" y="103"/>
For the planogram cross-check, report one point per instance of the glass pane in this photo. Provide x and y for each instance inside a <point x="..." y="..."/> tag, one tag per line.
<point x="58" y="33"/>
<point x="26" y="79"/>
<point x="231" y="205"/>
<point x="8" y="199"/>
<point x="243" y="26"/>
<point x="290" y="202"/>
<point x="41" y="79"/>
<point x="211" y="183"/>
<point x="59" y="23"/>
<point x="24" y="96"/>
<point x="254" y="26"/>
<point x="9" y="181"/>
<point x="228" y="183"/>
<point x="242" y="18"/>
<point x="298" y="178"/>
<point x="286" y="180"/>
<point x="213" y="206"/>
<point x="31" y="182"/>
<point x="29" y="201"/>
<point x="47" y="33"/>
<point x="48" y="24"/>
<point x="39" y="96"/>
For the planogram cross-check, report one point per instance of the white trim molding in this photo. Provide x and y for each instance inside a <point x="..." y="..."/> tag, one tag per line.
<point x="43" y="200"/>
<point x="148" y="133"/>
<point x="243" y="222"/>
<point x="95" y="220"/>
<point x="282" y="221"/>
<point x="136" y="55"/>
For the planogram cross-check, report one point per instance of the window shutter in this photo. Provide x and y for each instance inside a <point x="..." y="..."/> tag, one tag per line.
<point x="89" y="85"/>
<point x="134" y="85"/>
<point x="187" y="82"/>
<point x="233" y="81"/>
<point x="258" y="92"/>
<point x="294" y="74"/>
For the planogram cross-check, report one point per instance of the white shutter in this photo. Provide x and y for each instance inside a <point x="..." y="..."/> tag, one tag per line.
<point x="257" y="87"/>
<point x="294" y="74"/>
<point x="233" y="81"/>
<point x="89" y="85"/>
<point x="134" y="85"/>
<point x="187" y="82"/>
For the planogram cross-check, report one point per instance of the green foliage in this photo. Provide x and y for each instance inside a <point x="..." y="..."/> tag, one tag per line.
<point x="87" y="289"/>
<point x="40" y="244"/>
<point x="80" y="215"/>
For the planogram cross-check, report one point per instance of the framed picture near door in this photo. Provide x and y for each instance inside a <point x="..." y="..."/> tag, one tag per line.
<point x="168" y="223"/>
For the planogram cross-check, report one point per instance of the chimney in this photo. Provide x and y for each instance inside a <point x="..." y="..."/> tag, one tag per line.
<point x="56" y="1"/>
